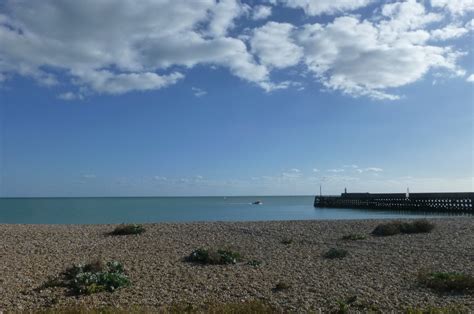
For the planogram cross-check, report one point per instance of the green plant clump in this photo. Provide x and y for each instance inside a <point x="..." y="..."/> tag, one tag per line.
<point x="335" y="253"/>
<point x="354" y="237"/>
<point x="128" y="229"/>
<point x="287" y="241"/>
<point x="281" y="285"/>
<point x="243" y="307"/>
<point x="397" y="227"/>
<point x="94" y="277"/>
<point x="254" y="262"/>
<point x="252" y="306"/>
<point x="455" y="309"/>
<point x="214" y="257"/>
<point x="447" y="282"/>
<point x="417" y="226"/>
<point x="344" y="306"/>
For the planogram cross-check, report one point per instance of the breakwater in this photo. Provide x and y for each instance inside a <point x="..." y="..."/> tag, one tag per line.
<point x="446" y="202"/>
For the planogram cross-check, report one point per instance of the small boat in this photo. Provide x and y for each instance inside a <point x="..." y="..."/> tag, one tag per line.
<point x="257" y="203"/>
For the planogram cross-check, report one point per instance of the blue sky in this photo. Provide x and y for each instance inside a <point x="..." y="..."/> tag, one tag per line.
<point x="235" y="97"/>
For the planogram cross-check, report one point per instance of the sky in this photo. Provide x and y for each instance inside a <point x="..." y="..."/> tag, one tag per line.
<point x="229" y="97"/>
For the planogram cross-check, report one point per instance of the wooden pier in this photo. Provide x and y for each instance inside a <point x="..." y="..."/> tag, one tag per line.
<point x="444" y="202"/>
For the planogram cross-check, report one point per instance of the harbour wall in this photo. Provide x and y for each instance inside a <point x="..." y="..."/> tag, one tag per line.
<point x="446" y="202"/>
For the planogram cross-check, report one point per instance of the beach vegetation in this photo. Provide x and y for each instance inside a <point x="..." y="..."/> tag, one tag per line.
<point x="417" y="226"/>
<point x="251" y="306"/>
<point x="90" y="278"/>
<point x="281" y="286"/>
<point x="387" y="229"/>
<point x="81" y="309"/>
<point x="286" y="241"/>
<point x="214" y="256"/>
<point x="343" y="306"/>
<point x="335" y="253"/>
<point x="51" y="282"/>
<point x="397" y="227"/>
<point x="95" y="277"/>
<point x="447" y="281"/>
<point x="127" y="229"/>
<point x="354" y="237"/>
<point x="452" y="309"/>
<point x="254" y="262"/>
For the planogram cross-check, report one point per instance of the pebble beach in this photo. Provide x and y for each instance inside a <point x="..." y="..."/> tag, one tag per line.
<point x="379" y="273"/>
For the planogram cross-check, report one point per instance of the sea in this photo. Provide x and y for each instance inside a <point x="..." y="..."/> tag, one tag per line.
<point x="112" y="210"/>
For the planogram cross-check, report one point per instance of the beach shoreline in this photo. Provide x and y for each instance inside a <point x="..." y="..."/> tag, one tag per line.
<point x="379" y="271"/>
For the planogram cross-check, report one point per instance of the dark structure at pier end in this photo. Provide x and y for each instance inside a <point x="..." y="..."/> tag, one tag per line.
<point x="461" y="202"/>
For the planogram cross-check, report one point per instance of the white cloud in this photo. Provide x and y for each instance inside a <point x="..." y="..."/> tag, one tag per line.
<point x="373" y="169"/>
<point x="70" y="96"/>
<point x="112" y="83"/>
<point x="151" y="45"/>
<point x="223" y="14"/>
<point x="406" y="16"/>
<point x="456" y="7"/>
<point x="198" y="92"/>
<point x="449" y="32"/>
<point x="337" y="178"/>
<point x="192" y="180"/>
<point x="137" y="47"/>
<point x="470" y="25"/>
<point x="315" y="170"/>
<point x="358" y="57"/>
<point x="470" y="78"/>
<point x="269" y="86"/>
<point x="292" y="174"/>
<point x="274" y="46"/>
<point x="351" y="166"/>
<point x="89" y="176"/>
<point x="261" y="12"/>
<point x="369" y="169"/>
<point x="318" y="7"/>
<point x="336" y="170"/>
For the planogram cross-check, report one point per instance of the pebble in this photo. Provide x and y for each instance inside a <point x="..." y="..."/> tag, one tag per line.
<point x="379" y="271"/>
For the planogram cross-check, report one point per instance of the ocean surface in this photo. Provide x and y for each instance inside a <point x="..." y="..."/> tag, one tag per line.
<point x="105" y="210"/>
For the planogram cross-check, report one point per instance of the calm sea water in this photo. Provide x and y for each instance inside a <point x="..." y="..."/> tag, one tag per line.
<point x="93" y="210"/>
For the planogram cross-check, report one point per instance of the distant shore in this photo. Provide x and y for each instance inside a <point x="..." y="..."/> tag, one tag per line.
<point x="378" y="273"/>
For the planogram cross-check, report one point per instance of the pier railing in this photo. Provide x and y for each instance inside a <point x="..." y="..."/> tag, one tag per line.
<point x="446" y="202"/>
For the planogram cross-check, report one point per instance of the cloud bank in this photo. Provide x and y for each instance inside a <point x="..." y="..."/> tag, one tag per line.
<point x="120" y="46"/>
